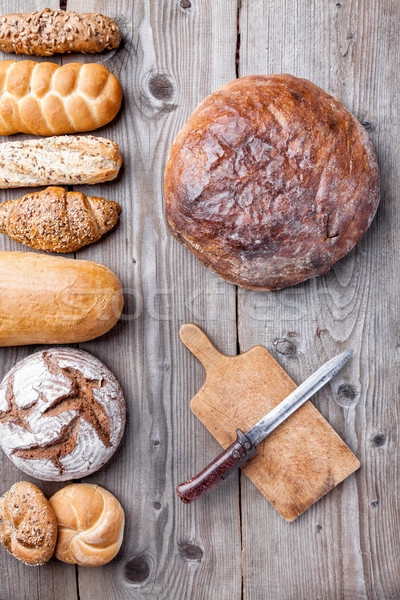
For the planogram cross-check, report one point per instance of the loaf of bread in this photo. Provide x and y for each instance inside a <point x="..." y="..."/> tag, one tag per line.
<point x="29" y="526"/>
<point x="46" y="99"/>
<point x="270" y="182"/>
<point x="54" y="300"/>
<point x="67" y="160"/>
<point x="62" y="414"/>
<point x="55" y="220"/>
<point x="46" y="32"/>
<point x="90" y="524"/>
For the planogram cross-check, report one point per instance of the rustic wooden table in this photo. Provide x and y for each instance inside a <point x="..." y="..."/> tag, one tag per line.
<point x="232" y="544"/>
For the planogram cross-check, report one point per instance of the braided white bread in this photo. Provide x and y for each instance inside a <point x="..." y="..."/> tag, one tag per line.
<point x="46" y="99"/>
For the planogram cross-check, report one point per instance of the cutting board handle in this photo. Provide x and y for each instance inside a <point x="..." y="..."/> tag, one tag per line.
<point x="198" y="343"/>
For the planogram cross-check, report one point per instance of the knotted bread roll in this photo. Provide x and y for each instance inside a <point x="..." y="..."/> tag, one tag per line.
<point x="29" y="526"/>
<point x="46" y="99"/>
<point x="90" y="524"/>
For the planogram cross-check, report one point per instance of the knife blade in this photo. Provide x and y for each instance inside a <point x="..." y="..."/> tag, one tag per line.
<point x="244" y="447"/>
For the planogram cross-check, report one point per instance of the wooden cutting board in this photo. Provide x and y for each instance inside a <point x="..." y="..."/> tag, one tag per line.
<point x="302" y="459"/>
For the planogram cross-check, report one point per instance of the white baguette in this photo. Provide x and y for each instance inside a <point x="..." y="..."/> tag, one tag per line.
<point x="66" y="160"/>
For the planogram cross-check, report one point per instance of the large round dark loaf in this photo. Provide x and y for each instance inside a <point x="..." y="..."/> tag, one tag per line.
<point x="270" y="182"/>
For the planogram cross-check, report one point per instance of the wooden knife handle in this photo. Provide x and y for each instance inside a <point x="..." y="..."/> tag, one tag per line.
<point x="239" y="452"/>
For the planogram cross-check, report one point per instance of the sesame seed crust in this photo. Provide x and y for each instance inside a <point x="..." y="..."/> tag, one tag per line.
<point x="29" y="525"/>
<point x="47" y="32"/>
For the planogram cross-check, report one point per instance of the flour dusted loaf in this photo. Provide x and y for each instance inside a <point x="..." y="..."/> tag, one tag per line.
<point x="65" y="159"/>
<point x="62" y="414"/>
<point x="270" y="182"/>
<point x="90" y="524"/>
<point x="46" y="32"/>
<point x="54" y="300"/>
<point x="46" y="99"/>
<point x="55" y="220"/>
<point x="29" y="526"/>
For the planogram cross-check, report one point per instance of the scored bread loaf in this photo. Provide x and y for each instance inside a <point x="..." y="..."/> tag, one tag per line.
<point x="54" y="300"/>
<point x="46" y="32"/>
<point x="55" y="220"/>
<point x="46" y="99"/>
<point x="67" y="160"/>
<point x="29" y="526"/>
<point x="90" y="524"/>
<point x="62" y="414"/>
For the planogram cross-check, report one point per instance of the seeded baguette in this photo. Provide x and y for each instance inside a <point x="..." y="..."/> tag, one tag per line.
<point x="47" y="32"/>
<point x="65" y="160"/>
<point x="48" y="99"/>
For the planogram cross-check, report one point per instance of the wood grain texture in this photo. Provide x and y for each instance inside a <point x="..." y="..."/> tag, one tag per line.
<point x="296" y="464"/>
<point x="347" y="545"/>
<point x="166" y="64"/>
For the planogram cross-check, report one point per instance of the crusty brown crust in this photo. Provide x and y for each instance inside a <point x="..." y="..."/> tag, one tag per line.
<point x="90" y="524"/>
<point x="29" y="526"/>
<point x="60" y="159"/>
<point x="55" y="220"/>
<point x="49" y="99"/>
<point x="54" y="300"/>
<point x="47" y="32"/>
<point x="270" y="182"/>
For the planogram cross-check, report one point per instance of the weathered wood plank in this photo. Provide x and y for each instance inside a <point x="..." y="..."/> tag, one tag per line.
<point x="347" y="546"/>
<point x="17" y="580"/>
<point x="170" y="59"/>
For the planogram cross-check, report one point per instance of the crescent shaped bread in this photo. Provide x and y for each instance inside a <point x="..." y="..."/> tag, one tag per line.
<point x="90" y="524"/>
<point x="29" y="526"/>
<point x="48" y="99"/>
<point x="62" y="414"/>
<point x="270" y="182"/>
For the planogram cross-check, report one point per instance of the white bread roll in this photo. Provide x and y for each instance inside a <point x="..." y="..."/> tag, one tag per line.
<point x="90" y="524"/>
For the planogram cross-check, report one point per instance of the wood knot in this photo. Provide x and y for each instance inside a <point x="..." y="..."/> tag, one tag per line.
<point x="346" y="394"/>
<point x="157" y="505"/>
<point x="368" y="125"/>
<point x="374" y="503"/>
<point x="379" y="440"/>
<point x="285" y="347"/>
<point x="318" y="527"/>
<point x="160" y="86"/>
<point x="192" y="552"/>
<point x="137" y="569"/>
<point x="185" y="3"/>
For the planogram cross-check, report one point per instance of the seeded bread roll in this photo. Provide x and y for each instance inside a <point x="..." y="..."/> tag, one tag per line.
<point x="270" y="182"/>
<point x="62" y="414"/>
<point x="90" y="524"/>
<point x="48" y="32"/>
<point x="46" y="99"/>
<point x="29" y="526"/>
<point x="66" y="160"/>
<point x="55" y="220"/>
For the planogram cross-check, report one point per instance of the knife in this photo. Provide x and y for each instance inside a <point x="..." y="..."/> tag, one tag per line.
<point x="244" y="447"/>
